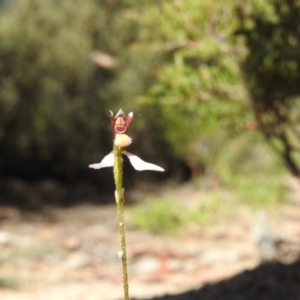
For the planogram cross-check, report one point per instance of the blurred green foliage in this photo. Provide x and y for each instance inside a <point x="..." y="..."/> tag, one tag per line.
<point x="159" y="216"/>
<point x="176" y="64"/>
<point x="54" y="98"/>
<point x="272" y="72"/>
<point x="199" y="89"/>
<point x="230" y="67"/>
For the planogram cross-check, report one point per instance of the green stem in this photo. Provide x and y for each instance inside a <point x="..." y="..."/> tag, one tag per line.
<point x="119" y="194"/>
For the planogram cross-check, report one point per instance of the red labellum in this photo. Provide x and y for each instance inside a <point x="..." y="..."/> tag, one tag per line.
<point x="120" y="123"/>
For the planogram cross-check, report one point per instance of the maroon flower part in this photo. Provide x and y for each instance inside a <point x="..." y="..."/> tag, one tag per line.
<point x="120" y="123"/>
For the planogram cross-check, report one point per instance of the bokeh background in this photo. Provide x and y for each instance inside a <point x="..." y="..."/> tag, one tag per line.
<point x="210" y="85"/>
<point x="214" y="86"/>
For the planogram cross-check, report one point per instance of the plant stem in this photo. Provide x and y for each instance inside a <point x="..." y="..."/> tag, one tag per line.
<point x="119" y="194"/>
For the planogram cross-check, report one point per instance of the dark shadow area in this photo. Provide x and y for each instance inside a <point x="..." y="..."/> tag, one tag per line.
<point x="267" y="282"/>
<point x="91" y="186"/>
<point x="37" y="195"/>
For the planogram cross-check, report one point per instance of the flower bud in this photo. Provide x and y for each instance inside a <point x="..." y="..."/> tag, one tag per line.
<point x="122" y="140"/>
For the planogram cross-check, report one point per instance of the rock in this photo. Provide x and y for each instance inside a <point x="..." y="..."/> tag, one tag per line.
<point x="77" y="261"/>
<point x="146" y="265"/>
<point x="8" y="239"/>
<point x="215" y="256"/>
<point x="71" y="243"/>
<point x="265" y="239"/>
<point x="150" y="264"/>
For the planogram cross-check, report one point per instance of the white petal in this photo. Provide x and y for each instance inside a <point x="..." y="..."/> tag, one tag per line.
<point x="141" y="165"/>
<point x="107" y="161"/>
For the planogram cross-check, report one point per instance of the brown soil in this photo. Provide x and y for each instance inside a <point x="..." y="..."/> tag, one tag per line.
<point x="72" y="254"/>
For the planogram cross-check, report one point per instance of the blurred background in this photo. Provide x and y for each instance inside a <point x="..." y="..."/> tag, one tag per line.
<point x="215" y="89"/>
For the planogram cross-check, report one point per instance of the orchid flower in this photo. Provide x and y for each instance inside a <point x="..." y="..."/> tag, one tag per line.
<point x="120" y="124"/>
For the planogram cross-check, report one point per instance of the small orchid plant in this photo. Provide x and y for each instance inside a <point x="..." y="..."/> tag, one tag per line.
<point x="120" y="124"/>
